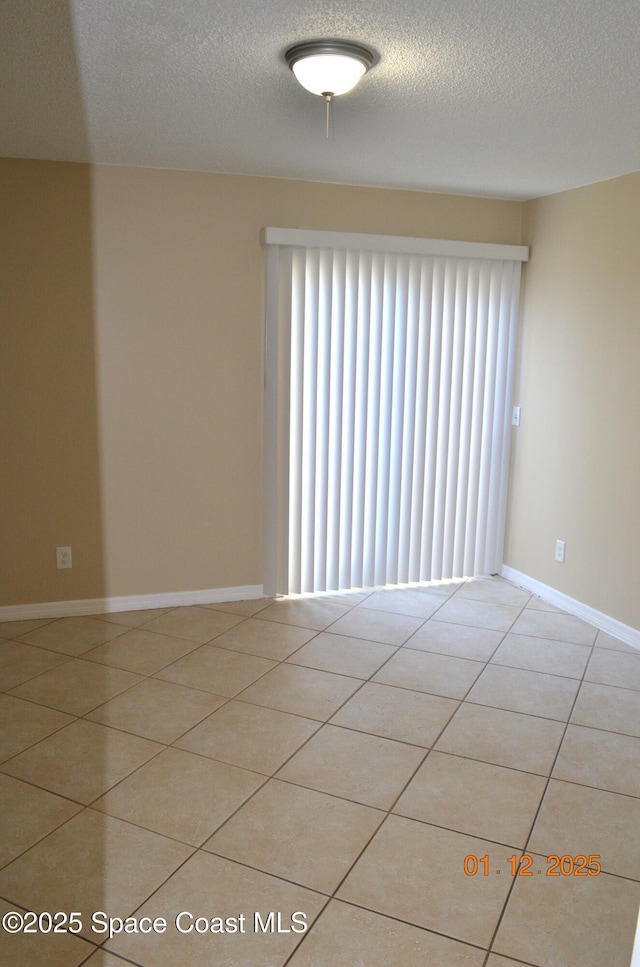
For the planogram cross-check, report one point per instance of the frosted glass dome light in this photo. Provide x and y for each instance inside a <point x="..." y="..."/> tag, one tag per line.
<point x="329" y="68"/>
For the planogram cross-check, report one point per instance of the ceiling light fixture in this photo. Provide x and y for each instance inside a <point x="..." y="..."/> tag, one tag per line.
<point x="329" y="68"/>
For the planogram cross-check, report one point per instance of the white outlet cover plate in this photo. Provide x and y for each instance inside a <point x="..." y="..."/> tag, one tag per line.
<point x="63" y="558"/>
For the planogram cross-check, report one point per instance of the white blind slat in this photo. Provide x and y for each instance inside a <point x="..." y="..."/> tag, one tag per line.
<point x="371" y="406"/>
<point x="420" y="427"/>
<point x="385" y="453"/>
<point x="295" y="417"/>
<point x="360" y="434"/>
<point x="309" y="404"/>
<point x="347" y="457"/>
<point x="432" y="417"/>
<point x="336" y="408"/>
<point x="323" y="388"/>
<point x="441" y="514"/>
<point x="408" y="426"/>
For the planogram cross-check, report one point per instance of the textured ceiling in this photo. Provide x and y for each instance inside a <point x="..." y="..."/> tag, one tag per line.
<point x="509" y="98"/>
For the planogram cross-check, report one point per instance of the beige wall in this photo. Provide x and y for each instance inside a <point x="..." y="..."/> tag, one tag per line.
<point x="576" y="457"/>
<point x="49" y="476"/>
<point x="150" y="282"/>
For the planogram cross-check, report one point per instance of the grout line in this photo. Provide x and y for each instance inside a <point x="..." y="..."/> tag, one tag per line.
<point x="386" y="916"/>
<point x="542" y="798"/>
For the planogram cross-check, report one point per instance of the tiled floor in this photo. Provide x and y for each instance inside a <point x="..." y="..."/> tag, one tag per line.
<point x="339" y="757"/>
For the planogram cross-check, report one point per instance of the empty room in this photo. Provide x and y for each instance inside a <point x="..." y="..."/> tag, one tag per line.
<point x="319" y="609"/>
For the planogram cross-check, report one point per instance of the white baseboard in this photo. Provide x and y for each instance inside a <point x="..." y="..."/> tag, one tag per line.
<point x="138" y="602"/>
<point x="630" y="636"/>
<point x="176" y="599"/>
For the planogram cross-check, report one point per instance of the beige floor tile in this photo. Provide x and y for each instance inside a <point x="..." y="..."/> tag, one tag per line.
<point x="495" y="960"/>
<point x="102" y="958"/>
<point x="543" y="655"/>
<point x="19" y="662"/>
<point x="193" y="623"/>
<point x="132" y="618"/>
<point x="397" y="713"/>
<point x="459" y="641"/>
<point x="247" y="608"/>
<point x="604" y="760"/>
<point x="609" y="708"/>
<point x="249" y="736"/>
<point x="181" y="795"/>
<point x="298" y="834"/>
<point x="517" y="690"/>
<point x="576" y="820"/>
<point x="415" y="872"/>
<point x="539" y="604"/>
<point x="344" y="655"/>
<point x="493" y="591"/>
<point x="15" y="629"/>
<point x="383" y="626"/>
<point x="478" y="614"/>
<point x="588" y="921"/>
<point x="445" y="587"/>
<point x="81" y="761"/>
<point x="426" y="671"/>
<point x="345" y="934"/>
<point x="94" y="862"/>
<point x="302" y="691"/>
<point x="364" y="768"/>
<point x="41" y="950"/>
<point x="210" y="886"/>
<point x="503" y="738"/>
<point x="216" y="670"/>
<point x="348" y="599"/>
<point x="144" y="652"/>
<point x="415" y="602"/>
<point x="559" y="627"/>
<point x="472" y="797"/>
<point x="28" y="814"/>
<point x="22" y="724"/>
<point x="73" y="636"/>
<point x="313" y="613"/>
<point x="614" y="668"/>
<point x="77" y="686"/>
<point x="269" y="639"/>
<point x="604" y="640"/>
<point x="157" y="710"/>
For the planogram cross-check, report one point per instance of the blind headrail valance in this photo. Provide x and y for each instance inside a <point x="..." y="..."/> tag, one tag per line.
<point x="397" y="244"/>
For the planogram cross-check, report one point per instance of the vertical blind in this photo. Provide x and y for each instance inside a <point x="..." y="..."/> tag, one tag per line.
<point x="389" y="367"/>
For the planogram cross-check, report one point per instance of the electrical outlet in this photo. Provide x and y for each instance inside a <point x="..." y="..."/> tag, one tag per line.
<point x="515" y="417"/>
<point x="63" y="558"/>
<point x="560" y="546"/>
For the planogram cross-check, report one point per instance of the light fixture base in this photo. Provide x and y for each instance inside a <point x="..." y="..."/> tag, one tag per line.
<point x="329" y="66"/>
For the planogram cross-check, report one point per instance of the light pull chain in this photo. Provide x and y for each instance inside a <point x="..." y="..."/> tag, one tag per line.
<point x="329" y="99"/>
